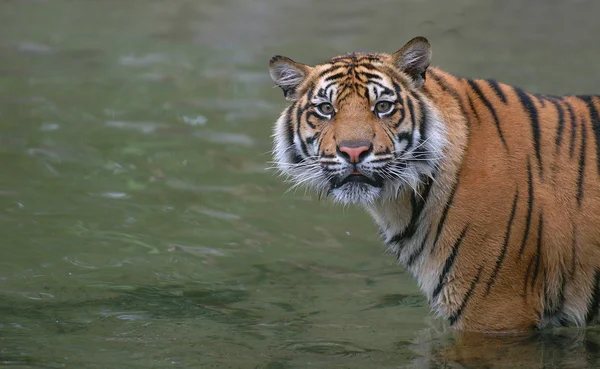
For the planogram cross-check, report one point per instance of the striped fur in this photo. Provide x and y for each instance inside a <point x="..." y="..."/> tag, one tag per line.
<point x="489" y="195"/>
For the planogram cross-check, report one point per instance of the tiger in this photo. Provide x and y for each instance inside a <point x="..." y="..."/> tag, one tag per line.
<point x="487" y="194"/>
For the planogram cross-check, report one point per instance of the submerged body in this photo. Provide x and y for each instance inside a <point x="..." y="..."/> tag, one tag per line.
<point x="487" y="194"/>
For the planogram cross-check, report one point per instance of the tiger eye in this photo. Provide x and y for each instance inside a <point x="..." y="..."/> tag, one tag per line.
<point x="325" y="108"/>
<point x="383" y="107"/>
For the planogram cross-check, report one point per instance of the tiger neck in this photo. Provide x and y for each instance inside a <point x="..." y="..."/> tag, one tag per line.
<point x="411" y="222"/>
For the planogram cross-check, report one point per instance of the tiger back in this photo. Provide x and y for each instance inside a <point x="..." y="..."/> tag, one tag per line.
<point x="487" y="194"/>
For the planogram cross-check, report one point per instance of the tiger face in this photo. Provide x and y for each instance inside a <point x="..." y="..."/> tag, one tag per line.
<point x="360" y="128"/>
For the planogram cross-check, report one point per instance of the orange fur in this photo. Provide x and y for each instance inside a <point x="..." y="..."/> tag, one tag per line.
<point x="494" y="203"/>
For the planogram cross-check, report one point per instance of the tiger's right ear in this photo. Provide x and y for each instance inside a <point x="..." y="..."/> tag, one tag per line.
<point x="288" y="75"/>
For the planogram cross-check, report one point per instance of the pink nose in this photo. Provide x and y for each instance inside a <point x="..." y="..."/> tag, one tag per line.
<point x="354" y="154"/>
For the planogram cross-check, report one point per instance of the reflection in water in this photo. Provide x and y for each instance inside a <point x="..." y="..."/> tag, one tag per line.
<point x="130" y="309"/>
<point x="563" y="348"/>
<point x="140" y="228"/>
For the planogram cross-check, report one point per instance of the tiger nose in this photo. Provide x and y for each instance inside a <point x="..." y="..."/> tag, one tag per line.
<point x="354" y="152"/>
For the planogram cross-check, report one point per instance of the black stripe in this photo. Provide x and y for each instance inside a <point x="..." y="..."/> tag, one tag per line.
<point x="450" y="90"/>
<point x="595" y="122"/>
<point x="581" y="165"/>
<point x="417" y="253"/>
<point x="449" y="262"/>
<point x="497" y="89"/>
<point x="411" y="110"/>
<point x="572" y="119"/>
<point x="592" y="310"/>
<point x="418" y="204"/>
<point x="529" y="208"/>
<point x="336" y="76"/>
<point x="367" y="94"/>
<point x="328" y="86"/>
<point x="293" y="156"/>
<point x="454" y="317"/>
<point x="423" y="127"/>
<point x="386" y="90"/>
<point x="530" y="108"/>
<point x="505" y="245"/>
<point x="445" y="213"/>
<point x="490" y="107"/>
<point x="561" y="124"/>
<point x="310" y="140"/>
<point x="370" y="75"/>
<point x="404" y="136"/>
<point x="420" y="152"/>
<point x="321" y="93"/>
<point x="320" y="140"/>
<point x="398" y="91"/>
<point x="331" y="69"/>
<point x="473" y="108"/>
<point x="390" y="134"/>
<point x="573" y="136"/>
<point x="538" y="254"/>
<point x="299" y="113"/>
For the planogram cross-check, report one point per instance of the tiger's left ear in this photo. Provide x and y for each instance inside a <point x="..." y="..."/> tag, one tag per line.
<point x="288" y="75"/>
<point x="413" y="59"/>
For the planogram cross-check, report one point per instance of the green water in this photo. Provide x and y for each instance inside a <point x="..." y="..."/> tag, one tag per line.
<point x="139" y="225"/>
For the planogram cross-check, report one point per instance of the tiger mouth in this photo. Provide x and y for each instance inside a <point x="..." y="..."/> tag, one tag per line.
<point x="357" y="178"/>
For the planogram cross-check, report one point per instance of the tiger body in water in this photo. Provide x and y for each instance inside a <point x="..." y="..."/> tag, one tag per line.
<point x="489" y="195"/>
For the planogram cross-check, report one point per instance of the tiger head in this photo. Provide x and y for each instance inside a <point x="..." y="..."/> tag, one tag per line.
<point x="360" y="127"/>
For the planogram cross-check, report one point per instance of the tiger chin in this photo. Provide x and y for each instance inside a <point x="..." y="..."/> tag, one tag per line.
<point x="489" y="195"/>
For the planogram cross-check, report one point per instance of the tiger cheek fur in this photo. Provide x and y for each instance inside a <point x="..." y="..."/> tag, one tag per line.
<point x="487" y="194"/>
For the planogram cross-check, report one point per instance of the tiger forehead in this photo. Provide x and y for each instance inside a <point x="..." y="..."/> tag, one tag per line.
<point x="365" y="75"/>
<point x="354" y="63"/>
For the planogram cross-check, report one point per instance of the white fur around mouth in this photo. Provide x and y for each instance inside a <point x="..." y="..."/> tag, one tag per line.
<point x="355" y="193"/>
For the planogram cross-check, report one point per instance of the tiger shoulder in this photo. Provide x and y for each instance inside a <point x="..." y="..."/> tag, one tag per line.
<point x="489" y="195"/>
